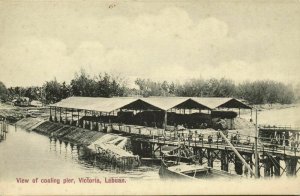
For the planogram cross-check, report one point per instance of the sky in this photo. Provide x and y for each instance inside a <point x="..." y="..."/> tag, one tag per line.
<point x="161" y="40"/>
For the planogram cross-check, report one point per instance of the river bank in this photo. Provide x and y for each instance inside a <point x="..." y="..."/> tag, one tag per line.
<point x="113" y="147"/>
<point x="76" y="135"/>
<point x="15" y="113"/>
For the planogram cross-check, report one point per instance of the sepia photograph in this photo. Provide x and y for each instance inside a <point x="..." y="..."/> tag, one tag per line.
<point x="140" y="97"/>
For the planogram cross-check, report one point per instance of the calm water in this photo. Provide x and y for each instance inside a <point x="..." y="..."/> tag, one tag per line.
<point x="28" y="155"/>
<point x="287" y="116"/>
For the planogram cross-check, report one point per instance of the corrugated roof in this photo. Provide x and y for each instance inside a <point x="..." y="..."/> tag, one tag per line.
<point x="211" y="102"/>
<point x="219" y="102"/>
<point x="103" y="104"/>
<point x="165" y="103"/>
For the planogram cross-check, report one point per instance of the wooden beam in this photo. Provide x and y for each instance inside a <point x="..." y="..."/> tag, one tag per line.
<point x="166" y="120"/>
<point x="237" y="153"/>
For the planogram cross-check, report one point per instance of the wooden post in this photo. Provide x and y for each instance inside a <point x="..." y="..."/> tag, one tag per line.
<point x="91" y="125"/>
<point x="267" y="167"/>
<point x="200" y="156"/>
<point x="78" y="118"/>
<point x="238" y="166"/>
<point x="251" y="163"/>
<point x="291" y="165"/>
<point x="236" y="152"/>
<point x="50" y="114"/>
<point x="224" y="160"/>
<point x="71" y="123"/>
<point x="165" y="121"/>
<point x="60" y="119"/>
<point x="256" y="151"/>
<point x="277" y="167"/>
<point x="66" y="116"/>
<point x="209" y="158"/>
<point x="55" y="118"/>
<point x="83" y="124"/>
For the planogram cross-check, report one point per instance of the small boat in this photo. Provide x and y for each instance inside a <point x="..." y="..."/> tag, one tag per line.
<point x="172" y="170"/>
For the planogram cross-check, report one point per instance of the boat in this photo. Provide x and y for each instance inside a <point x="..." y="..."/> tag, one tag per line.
<point x="179" y="163"/>
<point x="173" y="170"/>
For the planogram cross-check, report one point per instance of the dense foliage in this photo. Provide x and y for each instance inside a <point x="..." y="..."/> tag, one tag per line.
<point x="257" y="92"/>
<point x="108" y="85"/>
<point x="3" y="92"/>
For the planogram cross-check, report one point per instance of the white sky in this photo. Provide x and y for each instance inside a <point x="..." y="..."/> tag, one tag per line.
<point x="161" y="40"/>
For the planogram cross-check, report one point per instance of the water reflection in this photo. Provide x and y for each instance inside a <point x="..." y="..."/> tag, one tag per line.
<point x="28" y="154"/>
<point x="3" y="130"/>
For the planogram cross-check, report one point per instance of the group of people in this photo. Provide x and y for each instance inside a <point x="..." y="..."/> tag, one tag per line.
<point x="294" y="144"/>
<point x="235" y="138"/>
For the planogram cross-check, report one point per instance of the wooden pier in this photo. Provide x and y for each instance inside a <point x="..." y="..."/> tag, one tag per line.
<point x="274" y="160"/>
<point x="3" y="128"/>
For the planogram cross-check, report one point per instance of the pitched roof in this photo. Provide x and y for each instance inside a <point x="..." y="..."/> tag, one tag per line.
<point x="103" y="104"/>
<point x="165" y="103"/>
<point x="221" y="102"/>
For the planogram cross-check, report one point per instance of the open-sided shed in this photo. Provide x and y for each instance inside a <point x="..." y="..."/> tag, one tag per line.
<point x="93" y="107"/>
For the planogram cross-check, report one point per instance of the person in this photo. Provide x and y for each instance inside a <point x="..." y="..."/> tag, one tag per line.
<point x="273" y="141"/>
<point x="200" y="137"/>
<point x="237" y="137"/>
<point x="283" y="140"/>
<point x="292" y="143"/>
<point x="190" y="135"/>
<point x="210" y="139"/>
<point x="232" y="138"/>
<point x="248" y="139"/>
<point x="296" y="145"/>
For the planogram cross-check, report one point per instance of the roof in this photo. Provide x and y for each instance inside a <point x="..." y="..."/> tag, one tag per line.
<point x="165" y="103"/>
<point x="221" y="102"/>
<point x="103" y="104"/>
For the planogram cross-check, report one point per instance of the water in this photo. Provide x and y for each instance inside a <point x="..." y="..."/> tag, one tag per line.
<point x="287" y="116"/>
<point x="28" y="155"/>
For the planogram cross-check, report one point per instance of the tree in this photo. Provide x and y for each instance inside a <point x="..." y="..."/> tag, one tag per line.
<point x="103" y="85"/>
<point x="3" y="92"/>
<point x="52" y="90"/>
<point x="83" y="85"/>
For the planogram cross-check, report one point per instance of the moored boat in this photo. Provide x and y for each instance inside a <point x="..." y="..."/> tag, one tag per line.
<point x="171" y="170"/>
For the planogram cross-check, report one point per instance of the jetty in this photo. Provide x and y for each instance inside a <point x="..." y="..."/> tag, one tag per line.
<point x="156" y="122"/>
<point x="3" y="128"/>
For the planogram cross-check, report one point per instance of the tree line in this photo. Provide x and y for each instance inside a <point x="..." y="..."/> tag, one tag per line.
<point x="257" y="92"/>
<point x="109" y="85"/>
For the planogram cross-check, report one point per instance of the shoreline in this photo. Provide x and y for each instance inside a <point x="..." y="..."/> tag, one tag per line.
<point x="276" y="106"/>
